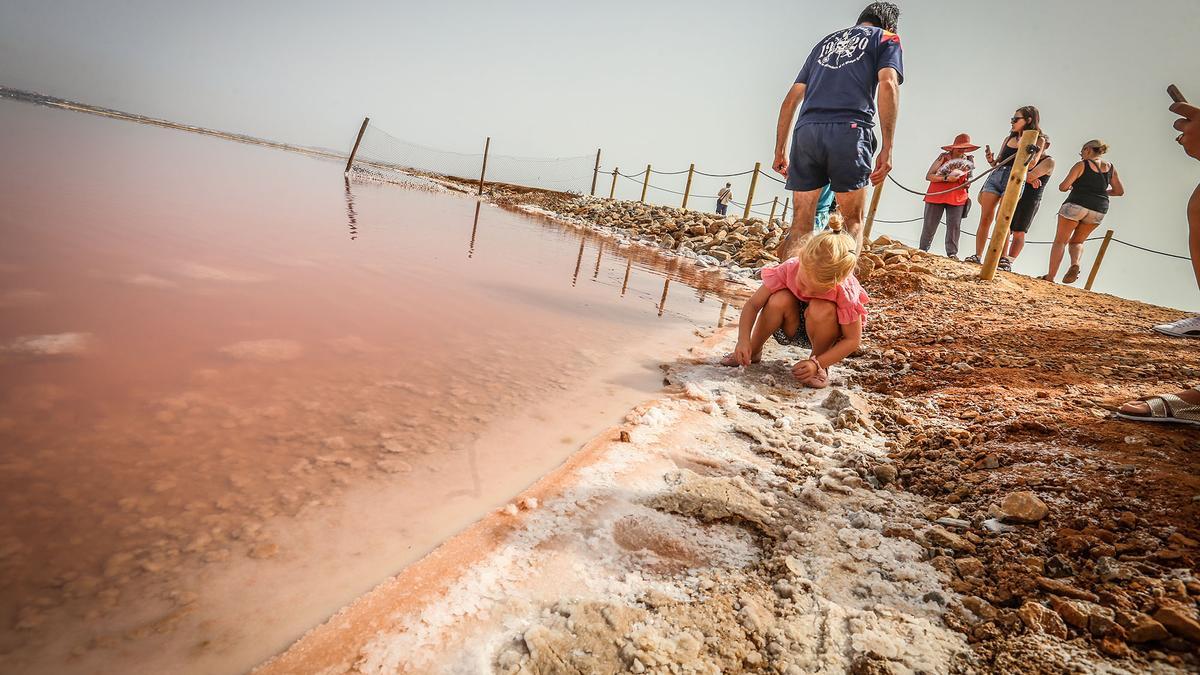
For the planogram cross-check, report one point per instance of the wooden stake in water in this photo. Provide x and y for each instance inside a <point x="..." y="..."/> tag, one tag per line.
<point x="1008" y="204"/>
<point x="875" y="194"/>
<point x="357" y="140"/>
<point x="483" y="172"/>
<point x="687" y="190"/>
<point x="613" y="190"/>
<point x="645" y="184"/>
<point x="753" y="183"/>
<point x="1099" y="259"/>
<point x="596" y="172"/>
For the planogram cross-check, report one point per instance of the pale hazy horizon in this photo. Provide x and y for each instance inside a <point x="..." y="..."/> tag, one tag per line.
<point x="662" y="83"/>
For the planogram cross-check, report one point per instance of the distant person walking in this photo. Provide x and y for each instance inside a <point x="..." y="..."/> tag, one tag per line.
<point x="1091" y="182"/>
<point x="1023" y="120"/>
<point x="948" y="178"/>
<point x="724" y="196"/>
<point x="1031" y="200"/>
<point x="834" y="139"/>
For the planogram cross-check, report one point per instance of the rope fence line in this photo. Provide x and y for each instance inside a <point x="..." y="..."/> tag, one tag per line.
<point x="381" y="151"/>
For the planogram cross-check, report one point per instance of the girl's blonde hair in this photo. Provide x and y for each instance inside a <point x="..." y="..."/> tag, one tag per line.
<point x="1098" y="145"/>
<point x="828" y="258"/>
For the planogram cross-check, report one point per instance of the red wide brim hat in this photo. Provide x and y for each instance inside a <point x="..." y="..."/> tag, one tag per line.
<point x="961" y="142"/>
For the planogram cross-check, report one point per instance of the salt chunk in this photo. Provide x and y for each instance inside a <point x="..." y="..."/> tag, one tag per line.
<point x="510" y="509"/>
<point x="529" y="503"/>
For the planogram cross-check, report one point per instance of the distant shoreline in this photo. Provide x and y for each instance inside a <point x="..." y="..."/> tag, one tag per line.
<point x="64" y="104"/>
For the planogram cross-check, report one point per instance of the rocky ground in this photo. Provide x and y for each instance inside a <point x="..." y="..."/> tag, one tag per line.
<point x="1050" y="520"/>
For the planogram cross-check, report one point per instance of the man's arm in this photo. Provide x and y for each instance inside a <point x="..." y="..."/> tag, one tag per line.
<point x="787" y="113"/>
<point x="888" y="96"/>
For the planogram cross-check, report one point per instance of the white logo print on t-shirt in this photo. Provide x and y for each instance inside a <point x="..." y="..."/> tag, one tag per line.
<point x="844" y="49"/>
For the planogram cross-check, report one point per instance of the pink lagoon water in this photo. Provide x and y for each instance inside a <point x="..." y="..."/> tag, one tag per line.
<point x="236" y="392"/>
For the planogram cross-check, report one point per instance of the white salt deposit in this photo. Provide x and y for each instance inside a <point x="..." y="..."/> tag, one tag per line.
<point x="846" y="590"/>
<point x="207" y="273"/>
<point x="57" y="344"/>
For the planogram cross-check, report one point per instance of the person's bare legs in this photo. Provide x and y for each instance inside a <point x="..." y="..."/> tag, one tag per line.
<point x="1075" y="246"/>
<point x="987" y="213"/>
<point x="804" y="211"/>
<point x="1192" y="396"/>
<point x="781" y="311"/>
<point x="820" y="320"/>
<point x="1018" y="245"/>
<point x="850" y="205"/>
<point x="1066" y="226"/>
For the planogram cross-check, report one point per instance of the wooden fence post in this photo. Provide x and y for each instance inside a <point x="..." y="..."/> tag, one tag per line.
<point x="357" y="140"/>
<point x="645" y="184"/>
<point x="750" y="195"/>
<point x="1099" y="259"/>
<point x="483" y="172"/>
<point x="596" y="172"/>
<point x="774" y="205"/>
<point x="688" y="190"/>
<point x="783" y="216"/>
<point x="1008" y="204"/>
<point x="875" y="195"/>
<point x="613" y="190"/>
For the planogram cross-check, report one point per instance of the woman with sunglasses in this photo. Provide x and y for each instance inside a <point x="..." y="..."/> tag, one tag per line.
<point x="1023" y="120"/>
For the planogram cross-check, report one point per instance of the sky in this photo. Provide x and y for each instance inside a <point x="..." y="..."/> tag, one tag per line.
<point x="666" y="83"/>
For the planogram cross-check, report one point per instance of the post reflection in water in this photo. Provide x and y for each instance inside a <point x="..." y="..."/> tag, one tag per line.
<point x="721" y="318"/>
<point x="578" y="262"/>
<point x="353" y="218"/>
<point x="474" y="228"/>
<point x="662" y="302"/>
<point x="625" y="283"/>
<point x="599" y="252"/>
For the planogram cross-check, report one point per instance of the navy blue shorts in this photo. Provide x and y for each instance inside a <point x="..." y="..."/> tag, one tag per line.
<point x="839" y="154"/>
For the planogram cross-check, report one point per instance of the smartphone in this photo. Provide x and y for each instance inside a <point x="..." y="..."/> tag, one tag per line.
<point x="1175" y="94"/>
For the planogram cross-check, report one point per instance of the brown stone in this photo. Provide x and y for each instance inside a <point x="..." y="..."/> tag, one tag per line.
<point x="1071" y="611"/>
<point x="1147" y="630"/>
<point x="1056" y="587"/>
<point x="1023" y="507"/>
<point x="1040" y="619"/>
<point x="940" y="537"/>
<point x="969" y="567"/>
<point x="1114" y="648"/>
<point x="1179" y="621"/>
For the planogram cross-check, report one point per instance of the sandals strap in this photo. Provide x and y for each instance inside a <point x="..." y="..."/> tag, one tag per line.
<point x="1170" y="406"/>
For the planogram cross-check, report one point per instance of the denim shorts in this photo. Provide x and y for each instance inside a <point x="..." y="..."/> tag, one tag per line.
<point x="1080" y="214"/>
<point x="835" y="153"/>
<point x="996" y="180"/>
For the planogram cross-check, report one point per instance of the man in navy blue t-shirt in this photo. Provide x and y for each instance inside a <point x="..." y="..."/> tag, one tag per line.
<point x="834" y="138"/>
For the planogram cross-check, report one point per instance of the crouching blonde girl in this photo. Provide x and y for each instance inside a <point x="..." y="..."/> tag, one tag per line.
<point x="813" y="301"/>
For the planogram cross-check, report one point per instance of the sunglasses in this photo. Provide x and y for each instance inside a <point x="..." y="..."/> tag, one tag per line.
<point x="1016" y="119"/>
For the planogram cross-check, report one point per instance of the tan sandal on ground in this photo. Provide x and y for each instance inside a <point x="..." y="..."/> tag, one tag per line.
<point x="1072" y="275"/>
<point x="1166" y="408"/>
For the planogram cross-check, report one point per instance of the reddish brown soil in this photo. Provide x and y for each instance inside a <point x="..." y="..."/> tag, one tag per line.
<point x="993" y="387"/>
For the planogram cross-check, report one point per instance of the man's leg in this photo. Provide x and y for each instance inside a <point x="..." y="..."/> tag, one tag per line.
<point x="851" y="206"/>
<point x="1193" y="214"/>
<point x="804" y="211"/>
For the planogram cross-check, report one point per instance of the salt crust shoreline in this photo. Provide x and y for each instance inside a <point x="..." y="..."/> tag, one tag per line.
<point x="739" y="528"/>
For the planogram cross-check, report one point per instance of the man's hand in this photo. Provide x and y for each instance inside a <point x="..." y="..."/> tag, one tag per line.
<point x="883" y="166"/>
<point x="804" y="370"/>
<point x="1189" y="126"/>
<point x="742" y="353"/>
<point x="780" y="164"/>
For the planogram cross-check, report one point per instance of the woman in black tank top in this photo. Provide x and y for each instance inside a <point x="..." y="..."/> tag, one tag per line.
<point x="1091" y="182"/>
<point x="1027" y="207"/>
<point x="1023" y="119"/>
